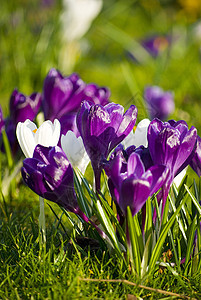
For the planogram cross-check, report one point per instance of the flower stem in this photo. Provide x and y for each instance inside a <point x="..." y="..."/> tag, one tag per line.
<point x="41" y="219"/>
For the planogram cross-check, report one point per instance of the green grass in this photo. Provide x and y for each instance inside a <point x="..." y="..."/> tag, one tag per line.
<point x="28" y="272"/>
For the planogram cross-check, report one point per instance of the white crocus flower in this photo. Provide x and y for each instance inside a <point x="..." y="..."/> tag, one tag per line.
<point x="75" y="151"/>
<point x="139" y="137"/>
<point x="78" y="16"/>
<point x="29" y="135"/>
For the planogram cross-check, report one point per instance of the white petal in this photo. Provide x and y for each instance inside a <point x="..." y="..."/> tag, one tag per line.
<point x="25" y="137"/>
<point x="47" y="134"/>
<point x="129" y="140"/>
<point x="140" y="137"/>
<point x="56" y="132"/>
<point x="30" y="125"/>
<point x="75" y="151"/>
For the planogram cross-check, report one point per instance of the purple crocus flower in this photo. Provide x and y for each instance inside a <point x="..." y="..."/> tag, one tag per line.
<point x="24" y="107"/>
<point x="62" y="96"/>
<point x="173" y="145"/>
<point x="159" y="103"/>
<point x="21" y="108"/>
<point x="102" y="128"/>
<point x="156" y="44"/>
<point x="50" y="175"/>
<point x="133" y="185"/>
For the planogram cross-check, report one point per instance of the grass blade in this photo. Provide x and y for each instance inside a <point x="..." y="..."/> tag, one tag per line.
<point x="159" y="244"/>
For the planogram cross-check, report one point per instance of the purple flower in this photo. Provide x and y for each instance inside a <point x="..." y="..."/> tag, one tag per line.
<point x="159" y="103"/>
<point x="21" y="108"/>
<point x="196" y="160"/>
<point x="9" y="127"/>
<point x="50" y="175"/>
<point x="68" y="122"/>
<point x="156" y="44"/>
<point x="133" y="185"/>
<point x="173" y="145"/>
<point x="102" y="128"/>
<point x="2" y="121"/>
<point x="62" y="96"/>
<point x="24" y="107"/>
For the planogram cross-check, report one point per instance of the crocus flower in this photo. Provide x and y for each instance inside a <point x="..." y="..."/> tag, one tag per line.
<point x="24" y="107"/>
<point x="78" y="16"/>
<point x="156" y="44"/>
<point x="50" y="175"/>
<point x="134" y="185"/>
<point x="159" y="103"/>
<point x="139" y="137"/>
<point x="21" y="108"/>
<point x="62" y="95"/>
<point x="173" y="145"/>
<point x="75" y="151"/>
<point x="102" y="128"/>
<point x="29" y="135"/>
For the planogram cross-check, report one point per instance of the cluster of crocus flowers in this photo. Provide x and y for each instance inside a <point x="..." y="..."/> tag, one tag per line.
<point x="60" y="99"/>
<point x="139" y="161"/>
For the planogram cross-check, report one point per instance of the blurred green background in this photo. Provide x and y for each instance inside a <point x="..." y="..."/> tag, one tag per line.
<point x="32" y="41"/>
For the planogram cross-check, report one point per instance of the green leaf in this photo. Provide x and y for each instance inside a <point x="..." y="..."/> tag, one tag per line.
<point x="82" y="201"/>
<point x="197" y="205"/>
<point x="189" y="250"/>
<point x="148" y="219"/>
<point x="113" y="218"/>
<point x="109" y="229"/>
<point x="159" y="244"/>
<point x="7" y="150"/>
<point x="139" y="236"/>
<point x="145" y="257"/>
<point x="178" y="220"/>
<point x="133" y="244"/>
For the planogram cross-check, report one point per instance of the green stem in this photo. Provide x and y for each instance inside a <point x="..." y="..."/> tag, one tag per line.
<point x="41" y="219"/>
<point x="7" y="150"/>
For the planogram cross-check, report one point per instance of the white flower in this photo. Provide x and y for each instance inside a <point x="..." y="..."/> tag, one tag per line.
<point x="78" y="16"/>
<point x="75" y="151"/>
<point x="139" y="137"/>
<point x="29" y="135"/>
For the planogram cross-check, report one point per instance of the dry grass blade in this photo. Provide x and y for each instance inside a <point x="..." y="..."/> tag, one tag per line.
<point x="137" y="285"/>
